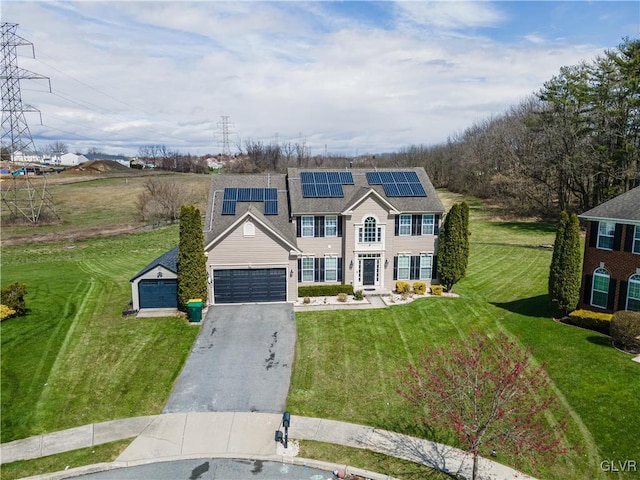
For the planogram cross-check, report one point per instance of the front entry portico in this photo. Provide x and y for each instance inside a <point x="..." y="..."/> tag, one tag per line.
<point x="368" y="275"/>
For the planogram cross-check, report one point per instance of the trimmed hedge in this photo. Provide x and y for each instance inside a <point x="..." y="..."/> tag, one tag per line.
<point x="324" y="290"/>
<point x="437" y="290"/>
<point x="596" y="321"/>
<point x="419" y="288"/>
<point x="402" y="286"/>
<point x="625" y="330"/>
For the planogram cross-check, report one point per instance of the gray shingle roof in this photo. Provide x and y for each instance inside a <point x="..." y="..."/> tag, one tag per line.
<point x="216" y="223"/>
<point x="352" y="193"/>
<point x="168" y="260"/>
<point x="623" y="207"/>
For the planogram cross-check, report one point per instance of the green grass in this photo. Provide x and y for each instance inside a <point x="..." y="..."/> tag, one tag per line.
<point x="347" y="362"/>
<point x="368" y="460"/>
<point x="74" y="359"/>
<point x="107" y="452"/>
<point x="89" y="206"/>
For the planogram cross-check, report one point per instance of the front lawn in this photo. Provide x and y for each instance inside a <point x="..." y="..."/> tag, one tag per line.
<point x="74" y="359"/>
<point x="347" y="362"/>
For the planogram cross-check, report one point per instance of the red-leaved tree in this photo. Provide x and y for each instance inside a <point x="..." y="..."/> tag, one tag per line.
<point x="486" y="390"/>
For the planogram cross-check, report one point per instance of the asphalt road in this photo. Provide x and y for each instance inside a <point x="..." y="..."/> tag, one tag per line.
<point x="212" y="469"/>
<point x="241" y="361"/>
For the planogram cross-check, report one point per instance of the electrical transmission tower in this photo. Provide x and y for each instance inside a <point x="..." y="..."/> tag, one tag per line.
<point x="223" y="127"/>
<point x="21" y="196"/>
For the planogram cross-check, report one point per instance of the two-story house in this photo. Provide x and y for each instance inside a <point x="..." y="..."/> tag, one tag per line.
<point x="266" y="234"/>
<point x="611" y="267"/>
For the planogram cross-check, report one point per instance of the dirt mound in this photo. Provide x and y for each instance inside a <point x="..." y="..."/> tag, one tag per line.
<point x="98" y="166"/>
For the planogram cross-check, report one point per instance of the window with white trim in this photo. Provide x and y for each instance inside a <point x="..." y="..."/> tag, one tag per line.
<point x="428" y="221"/>
<point x="426" y="266"/>
<point x="404" y="225"/>
<point x="331" y="226"/>
<point x="600" y="288"/>
<point x="331" y="269"/>
<point x="307" y="226"/>
<point x="606" y="232"/>
<point x="404" y="263"/>
<point x="633" y="293"/>
<point x="636" y="240"/>
<point x="370" y="233"/>
<point x="307" y="268"/>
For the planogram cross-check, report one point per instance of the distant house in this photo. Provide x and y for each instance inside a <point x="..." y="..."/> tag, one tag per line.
<point x="156" y="285"/>
<point x="72" y="159"/>
<point x="611" y="268"/>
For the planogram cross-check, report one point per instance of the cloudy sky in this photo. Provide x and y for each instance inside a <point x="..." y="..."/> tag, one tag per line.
<point x="353" y="77"/>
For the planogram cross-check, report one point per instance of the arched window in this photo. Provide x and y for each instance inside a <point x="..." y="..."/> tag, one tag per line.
<point x="633" y="293"/>
<point x="370" y="232"/>
<point x="600" y="288"/>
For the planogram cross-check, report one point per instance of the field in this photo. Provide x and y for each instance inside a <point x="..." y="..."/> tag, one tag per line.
<point x="74" y="359"/>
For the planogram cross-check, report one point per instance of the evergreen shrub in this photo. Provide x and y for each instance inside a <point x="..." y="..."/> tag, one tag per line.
<point x="419" y="288"/>
<point x="324" y="290"/>
<point x="596" y="321"/>
<point x="402" y="286"/>
<point x="625" y="330"/>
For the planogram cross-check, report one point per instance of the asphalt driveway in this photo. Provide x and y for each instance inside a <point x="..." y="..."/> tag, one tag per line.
<point x="241" y="361"/>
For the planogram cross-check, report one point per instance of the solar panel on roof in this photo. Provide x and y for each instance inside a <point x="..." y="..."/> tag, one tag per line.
<point x="271" y="194"/>
<point x="386" y="177"/>
<point x="230" y="194"/>
<point x="257" y="194"/>
<point x="417" y="190"/>
<point x="244" y="194"/>
<point x="404" y="190"/>
<point x="412" y="177"/>
<point x="308" y="190"/>
<point x="333" y="177"/>
<point x="228" y="207"/>
<point x="391" y="190"/>
<point x="320" y="177"/>
<point x="346" y="178"/>
<point x="374" y="178"/>
<point x="306" y="177"/>
<point x="335" y="190"/>
<point x="322" y="189"/>
<point x="271" y="207"/>
<point x="398" y="177"/>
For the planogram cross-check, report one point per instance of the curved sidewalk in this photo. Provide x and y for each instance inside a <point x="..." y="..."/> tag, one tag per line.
<point x="242" y="435"/>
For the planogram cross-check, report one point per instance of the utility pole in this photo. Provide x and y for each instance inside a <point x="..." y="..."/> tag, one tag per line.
<point x="223" y="128"/>
<point x="16" y="136"/>
<point x="21" y="196"/>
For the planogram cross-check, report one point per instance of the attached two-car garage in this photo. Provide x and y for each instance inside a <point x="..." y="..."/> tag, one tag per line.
<point x="250" y="285"/>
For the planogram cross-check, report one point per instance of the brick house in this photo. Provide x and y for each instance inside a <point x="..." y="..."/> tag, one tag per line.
<point x="611" y="267"/>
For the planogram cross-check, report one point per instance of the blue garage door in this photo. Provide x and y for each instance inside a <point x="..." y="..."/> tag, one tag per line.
<point x="248" y="286"/>
<point x="158" y="293"/>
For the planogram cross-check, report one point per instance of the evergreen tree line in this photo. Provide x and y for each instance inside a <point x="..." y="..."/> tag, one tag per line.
<point x="570" y="146"/>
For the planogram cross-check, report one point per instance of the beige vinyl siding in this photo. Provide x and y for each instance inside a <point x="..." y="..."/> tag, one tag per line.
<point x="236" y="249"/>
<point x="413" y="244"/>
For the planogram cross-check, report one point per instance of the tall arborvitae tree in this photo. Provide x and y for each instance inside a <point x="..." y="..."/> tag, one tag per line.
<point x="564" y="273"/>
<point x="464" y="213"/>
<point x="192" y="263"/>
<point x="451" y="248"/>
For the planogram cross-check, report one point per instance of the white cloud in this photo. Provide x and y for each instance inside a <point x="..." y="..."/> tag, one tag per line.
<point x="135" y="73"/>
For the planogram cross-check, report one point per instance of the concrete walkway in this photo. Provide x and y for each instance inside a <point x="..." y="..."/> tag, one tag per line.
<point x="240" y="435"/>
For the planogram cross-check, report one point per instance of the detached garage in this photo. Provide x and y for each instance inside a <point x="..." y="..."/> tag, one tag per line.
<point x="156" y="285"/>
<point x="250" y="285"/>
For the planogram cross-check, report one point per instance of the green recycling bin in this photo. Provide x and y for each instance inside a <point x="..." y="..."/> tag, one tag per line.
<point x="194" y="305"/>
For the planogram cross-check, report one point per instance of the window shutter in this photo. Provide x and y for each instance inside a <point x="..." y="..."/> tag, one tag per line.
<point x="436" y="225"/>
<point x="612" y="294"/>
<point x="339" y="226"/>
<point x="339" y="269"/>
<point x="593" y="234"/>
<point x="622" y="296"/>
<point x="628" y="240"/>
<point x="617" y="237"/>
<point x="416" y="224"/>
<point x="298" y="229"/>
<point x="299" y="269"/>
<point x="316" y="227"/>
<point x="414" y="272"/>
<point x="588" y="283"/>
<point x="397" y="225"/>
<point x="434" y="267"/>
<point x="395" y="268"/>
<point x="318" y="274"/>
